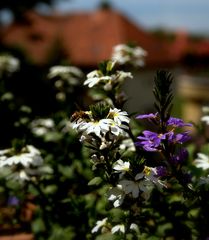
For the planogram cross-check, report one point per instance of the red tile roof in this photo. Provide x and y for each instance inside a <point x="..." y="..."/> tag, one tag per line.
<point x="86" y="38"/>
<point x="36" y="37"/>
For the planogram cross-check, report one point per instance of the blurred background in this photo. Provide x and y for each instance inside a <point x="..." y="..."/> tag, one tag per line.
<point x="175" y="35"/>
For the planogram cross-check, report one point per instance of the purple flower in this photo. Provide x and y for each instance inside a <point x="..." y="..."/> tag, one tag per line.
<point x="161" y="171"/>
<point x="13" y="201"/>
<point x="177" y="122"/>
<point x="147" y="116"/>
<point x="150" y="141"/>
<point x="180" y="157"/>
<point x="179" y="137"/>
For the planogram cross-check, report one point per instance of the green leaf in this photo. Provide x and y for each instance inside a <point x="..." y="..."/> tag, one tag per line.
<point x="67" y="171"/>
<point x="108" y="236"/>
<point x="38" y="225"/>
<point x="95" y="181"/>
<point x="53" y="137"/>
<point x="110" y="66"/>
<point x="50" y="189"/>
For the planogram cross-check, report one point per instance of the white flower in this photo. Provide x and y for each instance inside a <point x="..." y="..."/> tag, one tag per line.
<point x="203" y="180"/>
<point x="39" y="131"/>
<point x="205" y="109"/>
<point x="124" y="54"/>
<point x="150" y="174"/>
<point x="129" y="186"/>
<point x="118" y="130"/>
<point x="128" y="145"/>
<point x="121" y="53"/>
<point x="118" y="228"/>
<point x="121" y="166"/>
<point x="134" y="227"/>
<point x="99" y="224"/>
<point x="108" y="86"/>
<point x="98" y="127"/>
<point x="143" y="183"/>
<point x="41" y="126"/>
<point x="29" y="163"/>
<point x="138" y="56"/>
<point x="119" y="116"/>
<point x="27" y="174"/>
<point x="29" y="156"/>
<point x="202" y="161"/>
<point x="104" y="143"/>
<point x="19" y="176"/>
<point x="205" y="119"/>
<point x="95" y="77"/>
<point x="121" y="76"/>
<point x="61" y="96"/>
<point x="4" y="152"/>
<point x="64" y="71"/>
<point x="146" y="188"/>
<point x="9" y="64"/>
<point x="59" y="84"/>
<point x="112" y="123"/>
<point x="116" y="195"/>
<point x="66" y="78"/>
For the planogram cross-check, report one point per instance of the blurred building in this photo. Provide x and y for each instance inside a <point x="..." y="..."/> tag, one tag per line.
<point x="85" y="38"/>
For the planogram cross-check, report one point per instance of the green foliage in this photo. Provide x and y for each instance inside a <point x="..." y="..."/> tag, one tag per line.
<point x="106" y="67"/>
<point x="19" y="7"/>
<point x="163" y="94"/>
<point x="99" y="110"/>
<point x="75" y="188"/>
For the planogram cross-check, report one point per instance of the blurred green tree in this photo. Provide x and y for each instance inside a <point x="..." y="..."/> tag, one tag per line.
<point x="17" y="8"/>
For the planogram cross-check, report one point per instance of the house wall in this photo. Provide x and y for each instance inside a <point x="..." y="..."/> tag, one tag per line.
<point x="139" y="90"/>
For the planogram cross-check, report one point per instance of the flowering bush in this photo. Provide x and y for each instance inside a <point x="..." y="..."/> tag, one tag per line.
<point x="122" y="180"/>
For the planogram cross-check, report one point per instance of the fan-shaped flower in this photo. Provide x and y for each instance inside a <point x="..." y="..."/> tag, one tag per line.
<point x="118" y="228"/>
<point x="99" y="225"/>
<point x="202" y="161"/>
<point x="119" y="116"/>
<point x="29" y="156"/>
<point x="150" y="141"/>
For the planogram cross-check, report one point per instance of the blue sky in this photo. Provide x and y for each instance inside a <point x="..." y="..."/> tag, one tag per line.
<point x="191" y="15"/>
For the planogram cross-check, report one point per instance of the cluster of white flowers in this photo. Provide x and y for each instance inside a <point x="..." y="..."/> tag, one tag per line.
<point x="125" y="54"/>
<point x="143" y="183"/>
<point x="8" y="64"/>
<point x="106" y="128"/>
<point x="104" y="226"/>
<point x="108" y="81"/>
<point x="66" y="77"/>
<point x="68" y="73"/>
<point x="23" y="165"/>
<point x="116" y="122"/>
